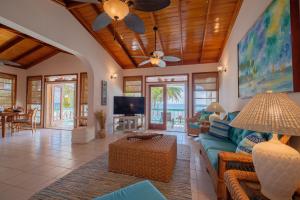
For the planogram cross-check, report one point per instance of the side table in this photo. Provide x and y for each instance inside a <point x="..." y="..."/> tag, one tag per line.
<point x="243" y="185"/>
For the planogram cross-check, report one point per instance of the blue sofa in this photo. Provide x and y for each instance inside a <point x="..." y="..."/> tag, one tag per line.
<point x="219" y="155"/>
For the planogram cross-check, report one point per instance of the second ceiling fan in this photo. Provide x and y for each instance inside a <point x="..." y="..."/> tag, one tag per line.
<point x="157" y="58"/>
<point x="116" y="10"/>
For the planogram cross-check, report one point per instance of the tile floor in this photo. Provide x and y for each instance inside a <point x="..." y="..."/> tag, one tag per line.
<point x="29" y="163"/>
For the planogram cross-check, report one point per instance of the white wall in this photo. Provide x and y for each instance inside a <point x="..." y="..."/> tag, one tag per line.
<point x="21" y="83"/>
<point x="183" y="69"/>
<point x="249" y="13"/>
<point x="53" y="24"/>
<point x="61" y="63"/>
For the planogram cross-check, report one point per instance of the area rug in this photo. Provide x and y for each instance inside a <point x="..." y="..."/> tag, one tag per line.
<point x="93" y="179"/>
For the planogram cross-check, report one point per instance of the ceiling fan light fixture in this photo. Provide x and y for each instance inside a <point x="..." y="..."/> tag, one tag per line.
<point x="116" y="9"/>
<point x="154" y="61"/>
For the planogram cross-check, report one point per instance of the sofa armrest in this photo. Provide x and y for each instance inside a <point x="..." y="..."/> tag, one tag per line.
<point x="230" y="160"/>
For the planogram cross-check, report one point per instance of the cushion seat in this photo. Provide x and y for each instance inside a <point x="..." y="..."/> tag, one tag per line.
<point x="212" y="155"/>
<point x="141" y="190"/>
<point x="219" y="144"/>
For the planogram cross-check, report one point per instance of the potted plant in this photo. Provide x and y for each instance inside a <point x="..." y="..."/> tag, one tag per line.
<point x="101" y="117"/>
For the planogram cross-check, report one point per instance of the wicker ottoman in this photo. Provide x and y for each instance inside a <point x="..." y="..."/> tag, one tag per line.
<point x="152" y="159"/>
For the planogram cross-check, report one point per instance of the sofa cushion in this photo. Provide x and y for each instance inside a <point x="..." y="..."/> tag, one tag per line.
<point x="194" y="125"/>
<point x="236" y="135"/>
<point x="219" y="128"/>
<point x="213" y="157"/>
<point x="204" y="115"/>
<point x="247" y="144"/>
<point x="232" y="115"/>
<point x="141" y="190"/>
<point x="211" y="142"/>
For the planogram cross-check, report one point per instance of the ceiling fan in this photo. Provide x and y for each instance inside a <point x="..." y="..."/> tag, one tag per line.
<point x="116" y="10"/>
<point x="10" y="63"/>
<point x="157" y="57"/>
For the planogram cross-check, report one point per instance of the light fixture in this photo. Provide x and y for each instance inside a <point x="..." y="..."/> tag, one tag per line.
<point x="154" y="60"/>
<point x="114" y="76"/>
<point x="116" y="9"/>
<point x="222" y="68"/>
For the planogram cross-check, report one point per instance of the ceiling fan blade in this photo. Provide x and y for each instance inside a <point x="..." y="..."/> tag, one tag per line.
<point x="171" y="59"/>
<point x="140" y="56"/>
<point x="101" y="21"/>
<point x="87" y="1"/>
<point x="7" y="62"/>
<point x="144" y="62"/>
<point x="162" y="64"/>
<point x="150" y="5"/>
<point x="135" y="23"/>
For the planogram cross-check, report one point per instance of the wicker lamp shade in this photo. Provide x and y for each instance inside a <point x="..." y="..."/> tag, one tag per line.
<point x="215" y="107"/>
<point x="270" y="112"/>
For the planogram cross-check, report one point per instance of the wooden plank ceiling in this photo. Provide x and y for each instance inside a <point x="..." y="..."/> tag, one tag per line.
<point x="23" y="49"/>
<point x="194" y="30"/>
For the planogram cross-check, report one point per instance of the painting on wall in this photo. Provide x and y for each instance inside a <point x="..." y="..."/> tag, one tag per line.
<point x="265" y="53"/>
<point x="103" y="93"/>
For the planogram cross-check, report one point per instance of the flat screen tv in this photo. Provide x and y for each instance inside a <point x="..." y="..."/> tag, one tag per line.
<point x="129" y="105"/>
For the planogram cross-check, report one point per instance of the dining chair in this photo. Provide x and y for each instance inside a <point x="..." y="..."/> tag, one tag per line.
<point x="28" y="119"/>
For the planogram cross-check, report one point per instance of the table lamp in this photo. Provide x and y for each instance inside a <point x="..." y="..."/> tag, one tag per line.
<point x="214" y="107"/>
<point x="277" y="165"/>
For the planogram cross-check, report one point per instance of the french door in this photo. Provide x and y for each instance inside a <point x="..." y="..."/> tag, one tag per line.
<point x="157" y="108"/>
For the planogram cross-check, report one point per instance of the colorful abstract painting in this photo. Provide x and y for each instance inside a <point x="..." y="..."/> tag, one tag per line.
<point x="265" y="53"/>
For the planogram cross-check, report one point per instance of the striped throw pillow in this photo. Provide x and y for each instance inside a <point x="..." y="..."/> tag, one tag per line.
<point x="219" y="129"/>
<point x="246" y="145"/>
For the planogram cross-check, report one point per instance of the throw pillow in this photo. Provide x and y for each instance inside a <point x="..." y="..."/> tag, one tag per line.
<point x="247" y="144"/>
<point x="219" y="129"/>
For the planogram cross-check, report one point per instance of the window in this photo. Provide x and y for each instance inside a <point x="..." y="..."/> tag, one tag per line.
<point x="83" y="99"/>
<point x="205" y="90"/>
<point x="34" y="95"/>
<point x="133" y="86"/>
<point x="8" y="89"/>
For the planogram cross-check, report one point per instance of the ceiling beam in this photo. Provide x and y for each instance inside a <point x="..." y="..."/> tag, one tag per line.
<point x="27" y="53"/>
<point x="154" y="21"/>
<point x="24" y="36"/>
<point x="233" y="19"/>
<point x="117" y="38"/>
<point x="10" y="43"/>
<point x="35" y="62"/>
<point x="73" y="5"/>
<point x="180" y="31"/>
<point x="141" y="45"/>
<point x="209" y="2"/>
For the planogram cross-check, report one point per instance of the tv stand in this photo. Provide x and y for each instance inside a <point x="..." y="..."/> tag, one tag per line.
<point x="123" y="123"/>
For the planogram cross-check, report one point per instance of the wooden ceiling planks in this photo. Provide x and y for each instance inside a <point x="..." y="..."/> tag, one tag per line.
<point x="194" y="30"/>
<point x="22" y="49"/>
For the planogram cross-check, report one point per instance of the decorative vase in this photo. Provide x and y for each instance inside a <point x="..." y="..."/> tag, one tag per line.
<point x="101" y="117"/>
<point x="278" y="169"/>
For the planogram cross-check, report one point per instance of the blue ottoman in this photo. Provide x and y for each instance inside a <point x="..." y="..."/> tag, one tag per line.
<point x="142" y="190"/>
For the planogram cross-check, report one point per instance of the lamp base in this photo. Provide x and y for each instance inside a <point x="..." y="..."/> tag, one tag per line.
<point x="277" y="167"/>
<point x="213" y="117"/>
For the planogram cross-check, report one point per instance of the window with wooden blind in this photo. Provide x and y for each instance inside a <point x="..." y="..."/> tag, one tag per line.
<point x="8" y="89"/>
<point x="34" y="95"/>
<point x="83" y="99"/>
<point x="205" y="90"/>
<point x="133" y="86"/>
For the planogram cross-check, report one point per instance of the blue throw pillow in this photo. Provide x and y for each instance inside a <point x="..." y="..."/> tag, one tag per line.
<point x="247" y="144"/>
<point x="219" y="129"/>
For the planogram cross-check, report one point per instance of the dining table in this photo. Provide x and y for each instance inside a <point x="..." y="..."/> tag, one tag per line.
<point x="4" y="116"/>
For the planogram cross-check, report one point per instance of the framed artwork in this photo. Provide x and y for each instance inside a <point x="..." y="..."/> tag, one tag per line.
<point x="265" y="53"/>
<point x="103" y="93"/>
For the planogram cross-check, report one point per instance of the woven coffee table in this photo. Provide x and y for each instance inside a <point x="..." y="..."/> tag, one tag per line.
<point x="152" y="159"/>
